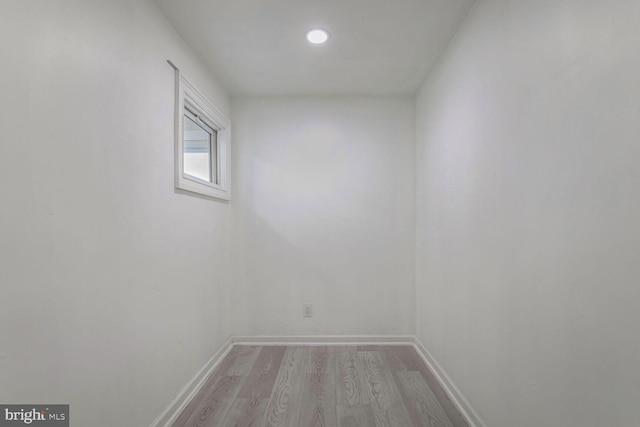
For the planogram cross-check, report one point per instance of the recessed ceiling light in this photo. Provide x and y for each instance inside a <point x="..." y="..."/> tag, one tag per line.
<point x="317" y="36"/>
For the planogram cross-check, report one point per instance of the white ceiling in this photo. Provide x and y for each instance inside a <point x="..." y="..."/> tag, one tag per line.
<point x="258" y="47"/>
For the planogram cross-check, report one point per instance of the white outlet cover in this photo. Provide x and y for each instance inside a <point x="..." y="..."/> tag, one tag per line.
<point x="307" y="310"/>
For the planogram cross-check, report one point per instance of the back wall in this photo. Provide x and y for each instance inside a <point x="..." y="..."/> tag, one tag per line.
<point x="324" y="214"/>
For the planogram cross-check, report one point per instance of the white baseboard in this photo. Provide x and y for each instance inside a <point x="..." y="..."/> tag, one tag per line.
<point x="449" y="386"/>
<point x="188" y="392"/>
<point x="324" y="340"/>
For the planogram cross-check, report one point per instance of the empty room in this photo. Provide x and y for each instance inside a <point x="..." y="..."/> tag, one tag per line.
<point x="328" y="213"/>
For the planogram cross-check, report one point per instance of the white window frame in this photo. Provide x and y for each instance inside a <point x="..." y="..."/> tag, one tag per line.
<point x="188" y="96"/>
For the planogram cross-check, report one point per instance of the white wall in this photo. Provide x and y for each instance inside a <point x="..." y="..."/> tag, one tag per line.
<point x="528" y="204"/>
<point x="114" y="288"/>
<point x="324" y="213"/>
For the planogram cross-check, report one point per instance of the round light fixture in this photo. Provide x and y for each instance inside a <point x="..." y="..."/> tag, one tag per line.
<point x="317" y="36"/>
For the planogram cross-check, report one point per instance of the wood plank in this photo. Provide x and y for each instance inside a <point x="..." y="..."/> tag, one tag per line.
<point x="423" y="400"/>
<point x="409" y="360"/>
<point x="395" y="366"/>
<point x="319" y="400"/>
<point x="370" y="347"/>
<point x="355" y="416"/>
<point x="211" y="406"/>
<point x="286" y="398"/>
<point x="243" y="362"/>
<point x="386" y="402"/>
<point x="259" y="382"/>
<point x="350" y="384"/>
<point x="393" y="356"/>
<point x="212" y="387"/>
<point x="246" y="413"/>
<point x="319" y="357"/>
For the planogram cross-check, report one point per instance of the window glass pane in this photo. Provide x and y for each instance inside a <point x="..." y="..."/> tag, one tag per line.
<point x="197" y="151"/>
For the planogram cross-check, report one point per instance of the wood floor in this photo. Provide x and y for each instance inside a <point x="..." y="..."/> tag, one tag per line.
<point x="321" y="386"/>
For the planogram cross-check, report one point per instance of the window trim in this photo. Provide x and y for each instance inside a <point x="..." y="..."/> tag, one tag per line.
<point x="188" y="98"/>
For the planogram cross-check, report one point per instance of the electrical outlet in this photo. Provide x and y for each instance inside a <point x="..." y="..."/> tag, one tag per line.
<point x="307" y="310"/>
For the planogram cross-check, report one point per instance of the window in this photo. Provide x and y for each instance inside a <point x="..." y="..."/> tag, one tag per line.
<point x="202" y="144"/>
<point x="200" y="149"/>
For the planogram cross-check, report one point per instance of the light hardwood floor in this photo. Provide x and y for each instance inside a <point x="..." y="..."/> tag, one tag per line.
<point x="321" y="386"/>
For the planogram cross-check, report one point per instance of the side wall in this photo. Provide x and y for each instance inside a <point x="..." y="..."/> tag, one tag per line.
<point x="324" y="213"/>
<point x="114" y="287"/>
<point x="528" y="203"/>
